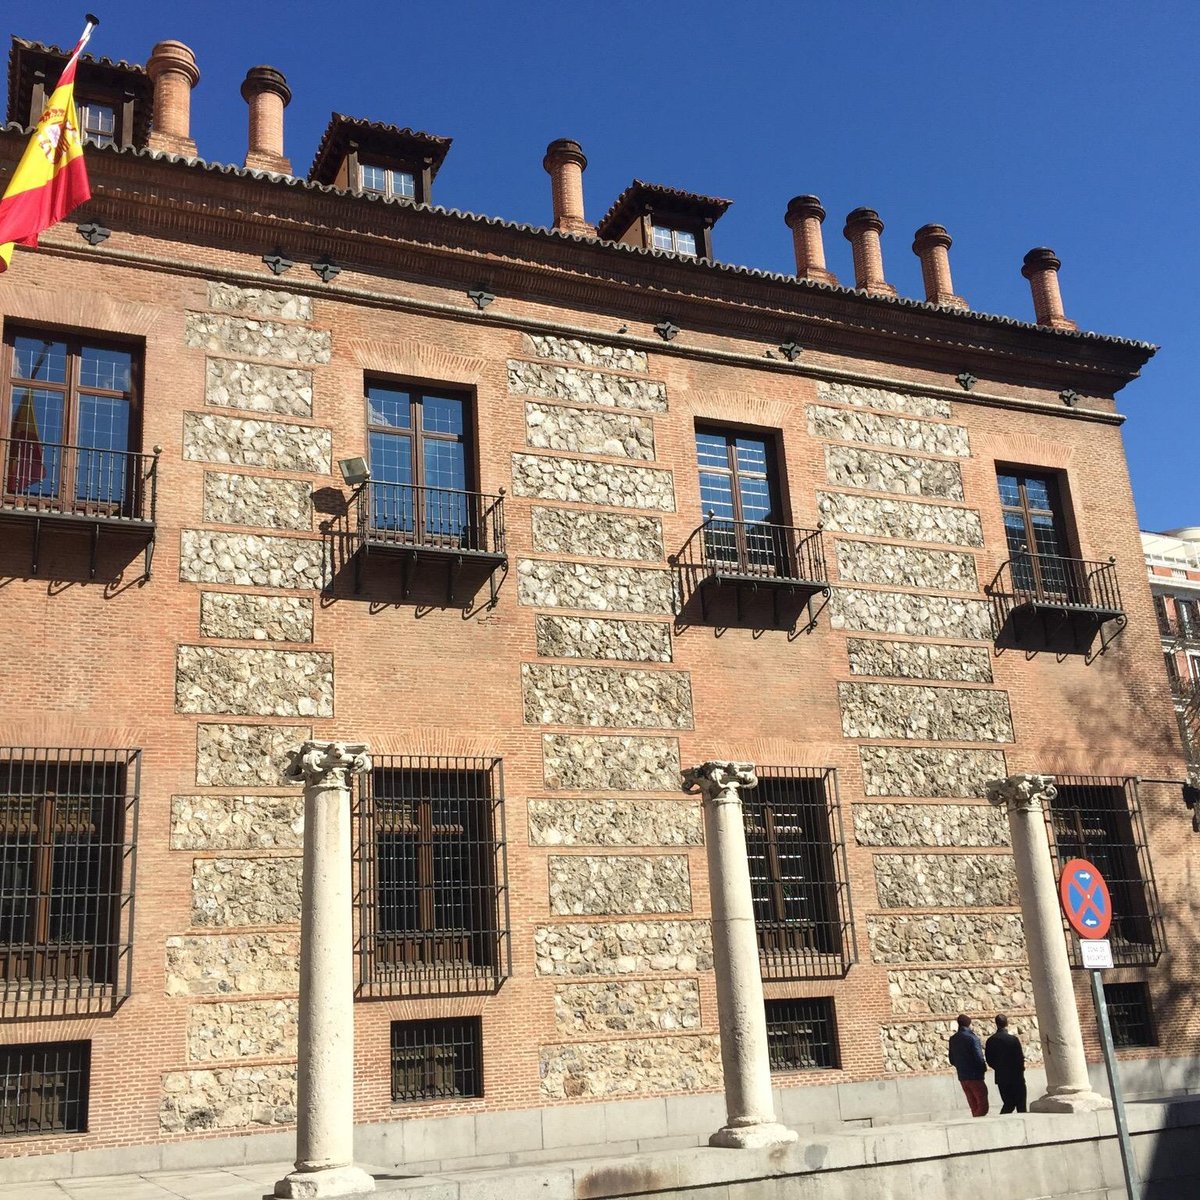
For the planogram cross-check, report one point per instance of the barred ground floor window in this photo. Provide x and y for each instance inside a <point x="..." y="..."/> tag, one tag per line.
<point x="44" y="1088"/>
<point x="437" y="1060"/>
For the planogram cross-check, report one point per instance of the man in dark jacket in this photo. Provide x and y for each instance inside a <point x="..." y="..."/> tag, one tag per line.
<point x="1005" y="1056"/>
<point x="966" y="1055"/>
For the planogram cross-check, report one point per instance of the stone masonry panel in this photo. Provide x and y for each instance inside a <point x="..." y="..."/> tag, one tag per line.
<point x="258" y="387"/>
<point x="628" y="1006"/>
<point x="872" y="397"/>
<point x="929" y="825"/>
<point x="591" y="637"/>
<point x="585" y="387"/>
<point x="610" y="764"/>
<point x="929" y="771"/>
<point x="229" y="1098"/>
<point x="921" y="1046"/>
<point x="848" y="466"/>
<point x="256" y="618"/>
<point x="259" y="302"/>
<point x="257" y="500"/>
<point x="245" y="755"/>
<point x="607" y="589"/>
<point x="248" y="442"/>
<point x="896" y="710"/>
<point x="906" y="567"/>
<point x="623" y="948"/>
<point x="899" y="433"/>
<point x="605" y="696"/>
<point x="246" y="1029"/>
<point x="597" y="535"/>
<point x="262" y="683"/>
<point x="251" y="559"/>
<point x="614" y="821"/>
<point x="584" y="431"/>
<point x="625" y="1068"/>
<point x="945" y="881"/>
<point x="229" y="892"/>
<point x="903" y="519"/>
<point x="237" y="822"/>
<point x="906" y="613"/>
<point x="582" y="481"/>
<point x="230" y="964"/>
<point x="919" y="660"/>
<point x="619" y="884"/>
<point x="947" y="937"/>
<point x="239" y="337"/>
<point x="969" y="990"/>
<point x="590" y="354"/>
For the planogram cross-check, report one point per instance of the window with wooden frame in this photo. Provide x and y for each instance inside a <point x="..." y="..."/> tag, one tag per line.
<point x="677" y="241"/>
<point x="98" y="122"/>
<point x="802" y="1034"/>
<point x="1033" y="506"/>
<point x="387" y="181"/>
<point x="437" y="1060"/>
<point x="44" y="1088"/>
<point x="69" y="423"/>
<point x="1130" y="1015"/>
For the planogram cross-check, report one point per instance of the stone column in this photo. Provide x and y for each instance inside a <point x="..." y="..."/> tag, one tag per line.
<point x="1068" y="1088"/>
<point x="325" y="1090"/>
<point x="750" y="1122"/>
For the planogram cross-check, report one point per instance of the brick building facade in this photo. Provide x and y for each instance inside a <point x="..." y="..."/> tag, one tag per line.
<point x="629" y="509"/>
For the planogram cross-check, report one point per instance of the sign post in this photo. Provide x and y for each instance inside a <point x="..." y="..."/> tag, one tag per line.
<point x="1088" y="908"/>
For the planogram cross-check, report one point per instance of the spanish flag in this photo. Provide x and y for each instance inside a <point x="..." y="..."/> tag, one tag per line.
<point x="51" y="179"/>
<point x="26" y="467"/>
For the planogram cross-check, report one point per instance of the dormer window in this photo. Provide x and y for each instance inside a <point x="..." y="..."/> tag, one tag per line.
<point x="369" y="158"/>
<point x="385" y="181"/>
<point x="98" y="123"/>
<point x="661" y="218"/>
<point x="677" y="241"/>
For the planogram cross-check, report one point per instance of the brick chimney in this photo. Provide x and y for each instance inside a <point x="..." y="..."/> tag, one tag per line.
<point x="267" y="93"/>
<point x="1041" y="269"/>
<point x="862" y="231"/>
<point x="931" y="244"/>
<point x="566" y="163"/>
<point x="804" y="216"/>
<point x="172" y="67"/>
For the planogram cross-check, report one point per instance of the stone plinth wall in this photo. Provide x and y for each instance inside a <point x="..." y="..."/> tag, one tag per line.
<point x="630" y="1067"/>
<point x="591" y="637"/>
<point x="233" y="964"/>
<point x="864" y="611"/>
<point x="250" y="559"/>
<point x="228" y="1098"/>
<point x="906" y="520"/>
<point x="633" y="1006"/>
<point x="929" y="771"/>
<point x="245" y="755"/>
<point x="607" y="884"/>
<point x="256" y="618"/>
<point x="582" y="585"/>
<point x="905" y="567"/>
<point x="590" y="354"/>
<point x="237" y="822"/>
<point x="946" y="881"/>
<point x="259" y="302"/>
<point x="247" y="442"/>
<point x="969" y="990"/>
<point x="256" y="500"/>
<point x="947" y="937"/>
<point x="899" y="433"/>
<point x="611" y="821"/>
<point x="266" y="683"/>
<point x="258" y="387"/>
<point x="874" y="471"/>
<point x="931" y="825"/>
<point x="606" y="696"/>
<point x="623" y="948"/>
<point x="597" y="535"/>
<point x="921" y="1046"/>
<point x="585" y="387"/>
<point x="618" y="435"/>
<point x="245" y="891"/>
<point x="247" y="1029"/>
<point x="889" y="401"/>
<point x="583" y="481"/>
<point x="919" y="660"/>
<point x="612" y="764"/>
<point x="238" y="337"/>
<point x="889" y="710"/>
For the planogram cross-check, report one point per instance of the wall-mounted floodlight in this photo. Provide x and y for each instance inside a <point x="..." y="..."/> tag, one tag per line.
<point x="354" y="471"/>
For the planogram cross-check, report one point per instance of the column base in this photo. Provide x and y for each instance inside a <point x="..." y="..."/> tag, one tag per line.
<point x="753" y="1137"/>
<point x="328" y="1183"/>
<point x="1070" y="1102"/>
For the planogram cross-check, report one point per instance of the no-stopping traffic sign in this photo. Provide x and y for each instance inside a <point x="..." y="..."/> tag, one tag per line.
<point x="1085" y="899"/>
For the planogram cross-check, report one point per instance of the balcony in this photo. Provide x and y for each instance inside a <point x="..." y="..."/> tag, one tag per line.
<point x="1043" y="602"/>
<point x="750" y="574"/>
<point x="106" y="494"/>
<point x="443" y="539"/>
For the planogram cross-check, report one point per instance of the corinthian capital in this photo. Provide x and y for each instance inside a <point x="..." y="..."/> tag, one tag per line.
<point x="326" y="764"/>
<point x="1022" y="793"/>
<point x="720" y="782"/>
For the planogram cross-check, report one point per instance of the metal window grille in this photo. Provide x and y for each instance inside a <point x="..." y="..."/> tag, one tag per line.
<point x="432" y="877"/>
<point x="798" y="874"/>
<point x="1100" y="819"/>
<point x="802" y="1035"/>
<point x="44" y="1088"/>
<point x="68" y="827"/>
<point x="437" y="1060"/>
<point x="1129" y="1015"/>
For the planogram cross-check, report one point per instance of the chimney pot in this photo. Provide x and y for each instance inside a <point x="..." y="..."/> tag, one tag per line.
<point x="931" y="244"/>
<point x="862" y="231"/>
<point x="266" y="91"/>
<point x="1041" y="269"/>
<point x="172" y="67"/>
<point x="803" y="217"/>
<point x="565" y="162"/>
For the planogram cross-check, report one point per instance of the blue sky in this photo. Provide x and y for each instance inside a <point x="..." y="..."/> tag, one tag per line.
<point x="1015" y="124"/>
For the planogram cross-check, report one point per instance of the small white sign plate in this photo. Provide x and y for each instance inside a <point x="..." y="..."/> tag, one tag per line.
<point x="1096" y="953"/>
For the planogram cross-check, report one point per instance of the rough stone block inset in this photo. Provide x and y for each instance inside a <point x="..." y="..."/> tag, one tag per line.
<point x="258" y="387"/>
<point x="610" y="764"/>
<point x="223" y="964"/>
<point x="969" y="990"/>
<point x="245" y="755"/>
<point x="929" y="825"/>
<point x="624" y="1068"/>
<point x="906" y="520"/>
<point x="227" y="1098"/>
<point x="247" y="1029"/>
<point x="260" y="683"/>
<point x="919" y="660"/>
<point x="585" y="431"/>
<point x="921" y="1046"/>
<point x="907" y="613"/>
<point x="237" y="822"/>
<point x="582" y="481"/>
<point x="606" y="696"/>
<point x="585" y="387"/>
<point x="257" y="500"/>
<point x="947" y="938"/>
<point x="616" y="884"/>
<point x="245" y="891"/>
<point x="597" y="535"/>
<point x="848" y="466"/>
<point x="623" y="948"/>
<point x="259" y="302"/>
<point x="871" y="397"/>
<point x="256" y="560"/>
<point x="612" y="821"/>
<point x="906" y="567"/>
<point x="590" y="637"/>
<point x="945" y="880"/>
<point x="630" y="1006"/>
<point x="256" y="618"/>
<point x="240" y="337"/>
<point x="590" y="354"/>
<point x="548" y="584"/>
<point x="929" y="771"/>
<point x="247" y="442"/>
<point x="900" y="433"/>
<point x="897" y="710"/>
